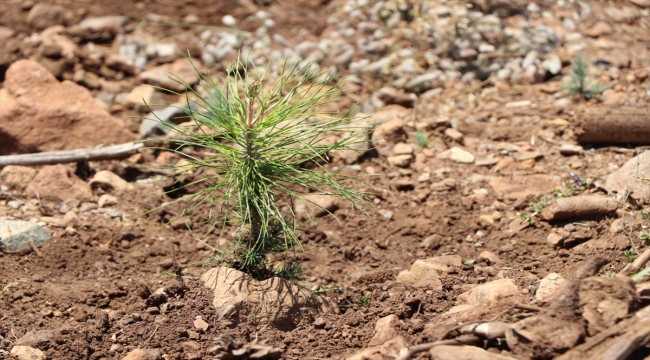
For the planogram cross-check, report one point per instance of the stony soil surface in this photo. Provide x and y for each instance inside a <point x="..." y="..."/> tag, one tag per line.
<point x="482" y="193"/>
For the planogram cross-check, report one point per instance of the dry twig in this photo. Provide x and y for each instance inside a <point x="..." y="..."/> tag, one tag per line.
<point x="34" y="248"/>
<point x="77" y="155"/>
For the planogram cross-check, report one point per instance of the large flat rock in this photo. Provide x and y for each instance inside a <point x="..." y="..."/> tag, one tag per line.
<point x="43" y="114"/>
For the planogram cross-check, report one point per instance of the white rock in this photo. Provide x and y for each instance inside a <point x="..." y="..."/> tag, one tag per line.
<point x="27" y="353"/>
<point x="548" y="286"/>
<point x="386" y="214"/>
<point x="491" y="292"/>
<point x="108" y="180"/>
<point x="458" y="155"/>
<point x="568" y="150"/>
<point x="229" y="20"/>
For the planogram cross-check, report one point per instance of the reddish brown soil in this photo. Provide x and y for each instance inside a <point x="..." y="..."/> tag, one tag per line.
<point x="105" y="265"/>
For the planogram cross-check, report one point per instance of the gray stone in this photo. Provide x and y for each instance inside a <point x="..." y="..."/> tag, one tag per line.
<point x="424" y="82"/>
<point x="16" y="234"/>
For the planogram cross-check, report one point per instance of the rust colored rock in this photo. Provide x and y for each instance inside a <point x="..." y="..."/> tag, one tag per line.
<point x="280" y="303"/>
<point x="45" y="115"/>
<point x="57" y="182"/>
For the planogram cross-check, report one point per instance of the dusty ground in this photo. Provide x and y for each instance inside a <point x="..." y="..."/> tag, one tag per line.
<point x="91" y="285"/>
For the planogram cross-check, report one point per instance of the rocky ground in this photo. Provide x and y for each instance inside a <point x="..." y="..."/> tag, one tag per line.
<point x="508" y="214"/>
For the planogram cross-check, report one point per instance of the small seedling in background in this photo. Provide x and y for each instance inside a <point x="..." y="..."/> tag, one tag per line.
<point x="645" y="215"/>
<point x="365" y="300"/>
<point x="609" y="274"/>
<point x="527" y="218"/>
<point x="580" y="83"/>
<point x="629" y="256"/>
<point x="645" y="236"/>
<point x="469" y="261"/>
<point x="422" y="139"/>
<point x="258" y="136"/>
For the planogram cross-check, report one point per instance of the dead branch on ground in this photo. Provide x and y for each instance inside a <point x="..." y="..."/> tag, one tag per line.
<point x="77" y="155"/>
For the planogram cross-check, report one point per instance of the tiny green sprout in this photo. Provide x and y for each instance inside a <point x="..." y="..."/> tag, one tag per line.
<point x="422" y="139"/>
<point x="645" y="215"/>
<point x="527" y="218"/>
<point x="609" y="274"/>
<point x="629" y="256"/>
<point x="645" y="236"/>
<point x="469" y="261"/>
<point x="365" y="300"/>
<point x="580" y="82"/>
<point x="8" y="287"/>
<point x="538" y="206"/>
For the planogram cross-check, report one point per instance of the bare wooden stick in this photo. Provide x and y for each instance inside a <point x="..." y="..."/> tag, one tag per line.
<point x="615" y="124"/>
<point x="77" y="155"/>
<point x="34" y="248"/>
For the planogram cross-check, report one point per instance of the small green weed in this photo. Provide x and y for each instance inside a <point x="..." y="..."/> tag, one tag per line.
<point x="580" y="80"/>
<point x="609" y="274"/>
<point x="629" y="256"/>
<point x="527" y="218"/>
<point x="365" y="300"/>
<point x="645" y="236"/>
<point x="422" y="139"/>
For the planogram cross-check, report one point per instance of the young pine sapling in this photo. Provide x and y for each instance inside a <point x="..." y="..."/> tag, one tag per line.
<point x="256" y="138"/>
